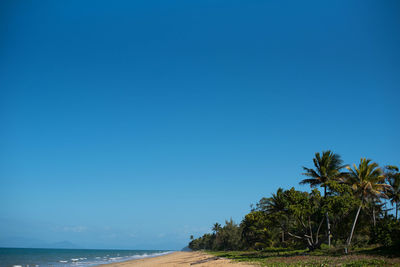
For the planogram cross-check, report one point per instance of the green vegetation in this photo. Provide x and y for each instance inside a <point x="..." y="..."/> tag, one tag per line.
<point x="312" y="229"/>
<point x="290" y="257"/>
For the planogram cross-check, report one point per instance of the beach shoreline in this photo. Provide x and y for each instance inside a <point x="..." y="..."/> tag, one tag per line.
<point x="179" y="258"/>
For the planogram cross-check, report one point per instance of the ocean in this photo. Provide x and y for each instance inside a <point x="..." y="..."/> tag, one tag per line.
<point x="36" y="257"/>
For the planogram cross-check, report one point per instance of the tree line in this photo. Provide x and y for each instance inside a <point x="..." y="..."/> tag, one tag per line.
<point x="346" y="207"/>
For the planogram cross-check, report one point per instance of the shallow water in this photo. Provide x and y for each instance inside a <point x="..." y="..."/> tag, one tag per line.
<point x="34" y="257"/>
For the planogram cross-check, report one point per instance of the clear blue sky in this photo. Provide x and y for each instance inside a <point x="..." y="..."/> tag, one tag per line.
<point x="134" y="124"/>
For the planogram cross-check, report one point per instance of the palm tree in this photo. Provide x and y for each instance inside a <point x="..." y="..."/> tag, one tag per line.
<point x="393" y="177"/>
<point x="216" y="228"/>
<point x="327" y="169"/>
<point x="368" y="183"/>
<point x="276" y="205"/>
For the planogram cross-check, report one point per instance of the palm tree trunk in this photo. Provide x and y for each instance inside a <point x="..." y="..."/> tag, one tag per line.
<point x="373" y="216"/>
<point x="328" y="225"/>
<point x="283" y="236"/>
<point x="352" y="228"/>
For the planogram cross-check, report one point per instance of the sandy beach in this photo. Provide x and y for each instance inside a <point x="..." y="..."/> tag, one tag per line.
<point x="180" y="259"/>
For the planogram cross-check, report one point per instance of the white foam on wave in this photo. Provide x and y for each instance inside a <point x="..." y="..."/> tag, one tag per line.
<point x="140" y="256"/>
<point x="103" y="260"/>
<point x="151" y="255"/>
<point x="116" y="258"/>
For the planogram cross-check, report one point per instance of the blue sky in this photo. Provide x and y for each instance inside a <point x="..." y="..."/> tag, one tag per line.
<point x="134" y="124"/>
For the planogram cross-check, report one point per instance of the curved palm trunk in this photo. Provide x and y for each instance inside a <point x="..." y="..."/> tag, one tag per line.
<point x="352" y="229"/>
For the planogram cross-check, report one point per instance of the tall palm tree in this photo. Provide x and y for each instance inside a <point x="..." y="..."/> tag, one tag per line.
<point x="327" y="169"/>
<point x="393" y="177"/>
<point x="368" y="183"/>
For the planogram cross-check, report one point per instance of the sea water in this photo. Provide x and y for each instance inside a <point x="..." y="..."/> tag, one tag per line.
<point x="35" y="257"/>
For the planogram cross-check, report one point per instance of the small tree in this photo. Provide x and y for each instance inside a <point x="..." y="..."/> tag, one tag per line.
<point x="306" y="216"/>
<point x="393" y="177"/>
<point x="256" y="230"/>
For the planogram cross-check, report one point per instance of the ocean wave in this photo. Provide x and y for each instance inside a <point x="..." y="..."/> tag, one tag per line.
<point x="156" y="254"/>
<point x="81" y="258"/>
<point x="139" y="256"/>
<point x="114" y="259"/>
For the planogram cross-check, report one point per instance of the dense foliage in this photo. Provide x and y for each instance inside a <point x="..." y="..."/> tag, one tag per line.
<point x="352" y="211"/>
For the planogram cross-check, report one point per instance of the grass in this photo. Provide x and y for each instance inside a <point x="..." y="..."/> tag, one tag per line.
<point x="289" y="257"/>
